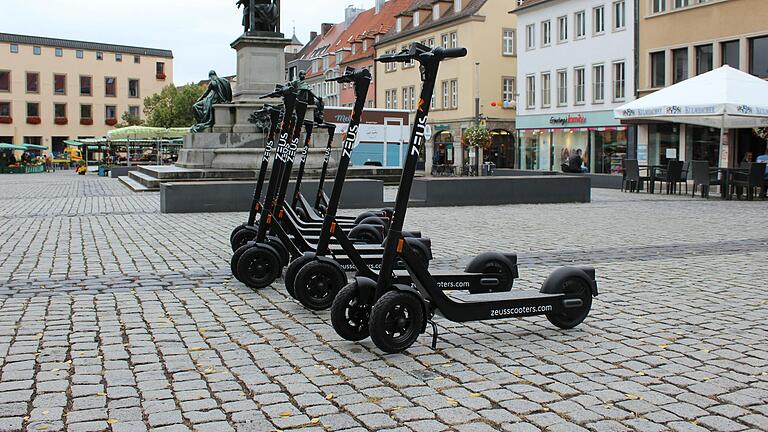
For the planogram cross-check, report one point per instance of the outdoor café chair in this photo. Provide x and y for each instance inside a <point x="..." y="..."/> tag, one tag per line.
<point x="684" y="175"/>
<point x="632" y="181"/>
<point x="670" y="175"/>
<point x="754" y="178"/>
<point x="701" y="177"/>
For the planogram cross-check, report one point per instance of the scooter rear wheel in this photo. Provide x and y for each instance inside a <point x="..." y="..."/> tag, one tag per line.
<point x="235" y="230"/>
<point x="397" y="320"/>
<point x="349" y="314"/>
<point x="259" y="266"/>
<point x="317" y="284"/>
<point x="366" y="234"/>
<point x="242" y="237"/>
<point x="235" y="258"/>
<point x="572" y="287"/>
<point x="290" y="272"/>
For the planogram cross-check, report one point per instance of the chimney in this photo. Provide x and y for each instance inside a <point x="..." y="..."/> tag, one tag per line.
<point x="312" y="35"/>
<point x="325" y="28"/>
<point x="350" y="13"/>
<point x="379" y="5"/>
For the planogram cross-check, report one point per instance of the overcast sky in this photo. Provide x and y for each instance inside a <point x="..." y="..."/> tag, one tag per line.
<point x="198" y="31"/>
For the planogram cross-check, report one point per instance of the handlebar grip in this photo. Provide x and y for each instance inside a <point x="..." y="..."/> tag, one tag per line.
<point x="454" y="52"/>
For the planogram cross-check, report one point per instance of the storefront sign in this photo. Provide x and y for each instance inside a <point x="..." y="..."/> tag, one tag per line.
<point x="569" y="119"/>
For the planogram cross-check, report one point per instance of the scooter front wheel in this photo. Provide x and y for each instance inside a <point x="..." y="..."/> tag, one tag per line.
<point x="317" y="283"/>
<point x="397" y="320"/>
<point x="259" y="266"/>
<point x="236" y="258"/>
<point x="235" y="230"/>
<point x="573" y="287"/>
<point x="349" y="314"/>
<point x="241" y="237"/>
<point x="293" y="268"/>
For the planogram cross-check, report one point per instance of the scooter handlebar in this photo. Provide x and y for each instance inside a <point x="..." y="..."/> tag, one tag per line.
<point x="422" y="53"/>
<point x="350" y="75"/>
<point x="451" y="52"/>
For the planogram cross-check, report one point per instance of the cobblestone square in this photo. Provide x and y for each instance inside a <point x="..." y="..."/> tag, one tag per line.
<point x="114" y="316"/>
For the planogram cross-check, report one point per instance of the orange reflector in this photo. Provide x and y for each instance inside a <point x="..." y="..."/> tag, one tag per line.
<point x="282" y="213"/>
<point x="333" y="227"/>
<point x="269" y="219"/>
<point x="400" y="244"/>
<point x="258" y="206"/>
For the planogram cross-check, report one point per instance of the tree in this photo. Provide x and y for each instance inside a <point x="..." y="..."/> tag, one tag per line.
<point x="172" y="107"/>
<point x="128" y="119"/>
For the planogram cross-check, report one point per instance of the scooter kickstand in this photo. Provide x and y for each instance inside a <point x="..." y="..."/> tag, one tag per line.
<point x="434" y="334"/>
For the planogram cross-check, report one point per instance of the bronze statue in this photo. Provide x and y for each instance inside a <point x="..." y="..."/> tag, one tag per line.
<point x="219" y="91"/>
<point x="299" y="83"/>
<point x="260" y="16"/>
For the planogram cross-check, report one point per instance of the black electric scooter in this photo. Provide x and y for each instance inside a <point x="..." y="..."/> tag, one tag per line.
<point x="395" y="314"/>
<point x="259" y="265"/>
<point x="315" y="278"/>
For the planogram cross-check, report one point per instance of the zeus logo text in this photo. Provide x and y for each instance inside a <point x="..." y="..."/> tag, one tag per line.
<point x="419" y="135"/>
<point x="281" y="146"/>
<point x="327" y="154"/>
<point x="350" y="141"/>
<point x="268" y="149"/>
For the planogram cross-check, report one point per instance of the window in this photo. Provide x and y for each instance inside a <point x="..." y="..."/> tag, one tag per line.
<point x="703" y="59"/>
<point x="33" y="82"/>
<point x="412" y="95"/>
<point x="508" y="42"/>
<point x="33" y="109"/>
<point x="681" y="3"/>
<point x="598" y="83"/>
<point x="59" y="84"/>
<point x="679" y="65"/>
<point x="454" y="40"/>
<point x="562" y="29"/>
<point x="410" y="63"/>
<point x="530" y="36"/>
<point x="730" y="53"/>
<point x="36" y="50"/>
<point x="619" y="81"/>
<point x="15" y="48"/>
<point x="508" y="89"/>
<point x="110" y="112"/>
<point x="160" y="70"/>
<point x="758" y="56"/>
<point x="99" y="55"/>
<point x="118" y="57"/>
<point x="86" y="111"/>
<point x="658" y="69"/>
<point x="431" y="42"/>
<point x="579" y="78"/>
<point x="446" y="100"/>
<point x="326" y="62"/>
<point x="133" y="110"/>
<point x="598" y="20"/>
<point x="581" y="25"/>
<point x="562" y="87"/>
<point x="79" y="54"/>
<point x="530" y="91"/>
<point x="110" y="87"/>
<point x="619" y="15"/>
<point x="546" y="33"/>
<point x="137" y="59"/>
<point x="387" y="100"/>
<point x="133" y="88"/>
<point x="59" y="52"/>
<point x="5" y="109"/>
<point x="394" y="99"/>
<point x="86" y="88"/>
<point x="454" y="94"/>
<point x="60" y="110"/>
<point x="5" y="81"/>
<point x="546" y="92"/>
<point x="659" y="6"/>
<point x="406" y="106"/>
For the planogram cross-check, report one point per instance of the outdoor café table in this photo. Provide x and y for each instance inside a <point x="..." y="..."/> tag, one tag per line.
<point x="726" y="176"/>
<point x="652" y="174"/>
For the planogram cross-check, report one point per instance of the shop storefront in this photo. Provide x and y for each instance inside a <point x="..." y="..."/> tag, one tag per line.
<point x="547" y="141"/>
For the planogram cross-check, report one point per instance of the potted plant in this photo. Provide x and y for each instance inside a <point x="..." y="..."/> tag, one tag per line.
<point x="160" y="76"/>
<point x="33" y="120"/>
<point x="6" y="119"/>
<point x="110" y="121"/>
<point x="476" y="137"/>
<point x="86" y="121"/>
<point x="60" y="121"/>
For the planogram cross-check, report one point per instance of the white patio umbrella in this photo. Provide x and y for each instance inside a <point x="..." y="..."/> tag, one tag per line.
<point x="724" y="98"/>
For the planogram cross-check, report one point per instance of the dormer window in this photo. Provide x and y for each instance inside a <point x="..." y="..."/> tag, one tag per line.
<point x="416" y="16"/>
<point x="399" y="25"/>
<point x="435" y="12"/>
<point x="354" y="48"/>
<point x="365" y="44"/>
<point x="456" y="6"/>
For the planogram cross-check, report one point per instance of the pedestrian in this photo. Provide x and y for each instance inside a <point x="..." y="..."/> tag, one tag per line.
<point x="575" y="163"/>
<point x="764" y="159"/>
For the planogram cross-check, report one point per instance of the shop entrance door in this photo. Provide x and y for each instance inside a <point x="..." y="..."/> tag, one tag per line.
<point x="502" y="150"/>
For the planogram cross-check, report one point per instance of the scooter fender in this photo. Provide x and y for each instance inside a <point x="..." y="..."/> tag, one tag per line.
<point x="333" y="263"/>
<point x="423" y="244"/>
<point x="585" y="273"/>
<point x="366" y="287"/>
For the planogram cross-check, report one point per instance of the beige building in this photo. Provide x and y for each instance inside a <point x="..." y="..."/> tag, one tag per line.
<point x="679" y="39"/>
<point x="55" y="89"/>
<point x="488" y="33"/>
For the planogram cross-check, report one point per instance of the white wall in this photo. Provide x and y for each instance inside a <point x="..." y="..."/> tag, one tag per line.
<point x="606" y="48"/>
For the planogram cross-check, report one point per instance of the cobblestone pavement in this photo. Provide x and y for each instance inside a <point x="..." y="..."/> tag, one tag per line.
<point x="116" y="317"/>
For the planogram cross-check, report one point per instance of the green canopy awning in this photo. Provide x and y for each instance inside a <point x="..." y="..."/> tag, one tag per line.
<point x="34" y="147"/>
<point x="73" y="143"/>
<point x="6" y="146"/>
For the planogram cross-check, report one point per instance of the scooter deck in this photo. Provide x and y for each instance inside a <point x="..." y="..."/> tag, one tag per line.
<point x="467" y="297"/>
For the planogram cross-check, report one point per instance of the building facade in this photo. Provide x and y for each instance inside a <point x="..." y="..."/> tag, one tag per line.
<point x="488" y="75"/>
<point x="576" y="63"/>
<point x="707" y="34"/>
<point x="52" y="90"/>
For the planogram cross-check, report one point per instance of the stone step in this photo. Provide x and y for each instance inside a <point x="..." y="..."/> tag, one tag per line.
<point x="175" y="173"/>
<point x="145" y="179"/>
<point x="134" y="185"/>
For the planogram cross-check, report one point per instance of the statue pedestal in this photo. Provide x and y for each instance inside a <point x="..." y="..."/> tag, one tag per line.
<point x="260" y="65"/>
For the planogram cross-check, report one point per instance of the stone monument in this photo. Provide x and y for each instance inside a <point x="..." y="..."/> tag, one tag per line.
<point x="230" y="140"/>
